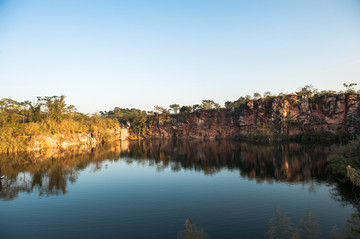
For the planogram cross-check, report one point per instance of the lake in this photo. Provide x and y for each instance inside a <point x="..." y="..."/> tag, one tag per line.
<point x="148" y="189"/>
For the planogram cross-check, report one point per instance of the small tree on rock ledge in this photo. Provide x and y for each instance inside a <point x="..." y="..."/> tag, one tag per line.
<point x="350" y="88"/>
<point x="174" y="108"/>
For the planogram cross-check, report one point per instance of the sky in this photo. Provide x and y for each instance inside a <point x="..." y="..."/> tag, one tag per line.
<point x="103" y="54"/>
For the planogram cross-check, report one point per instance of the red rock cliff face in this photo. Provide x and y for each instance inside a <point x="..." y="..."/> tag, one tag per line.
<point x="289" y="115"/>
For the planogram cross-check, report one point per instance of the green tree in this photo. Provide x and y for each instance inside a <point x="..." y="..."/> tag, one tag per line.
<point x="267" y="94"/>
<point x="10" y="111"/>
<point x="34" y="112"/>
<point x="209" y="104"/>
<point x="307" y="90"/>
<point x="160" y="110"/>
<point x="350" y="88"/>
<point x="257" y="95"/>
<point x="175" y="108"/>
<point x="185" y="109"/>
<point x="196" y="107"/>
<point x="228" y="104"/>
<point x="56" y="107"/>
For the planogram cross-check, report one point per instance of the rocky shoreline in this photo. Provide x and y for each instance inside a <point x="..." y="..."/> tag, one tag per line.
<point x="288" y="116"/>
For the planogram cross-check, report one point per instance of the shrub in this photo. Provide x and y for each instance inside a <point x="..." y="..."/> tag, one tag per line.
<point x="347" y="155"/>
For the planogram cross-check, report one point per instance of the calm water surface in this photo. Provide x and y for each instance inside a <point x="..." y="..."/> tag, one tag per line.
<point x="148" y="189"/>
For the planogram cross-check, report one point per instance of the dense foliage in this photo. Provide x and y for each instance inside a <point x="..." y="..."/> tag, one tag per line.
<point x="135" y="119"/>
<point x="347" y="155"/>
<point x="346" y="166"/>
<point x="19" y="121"/>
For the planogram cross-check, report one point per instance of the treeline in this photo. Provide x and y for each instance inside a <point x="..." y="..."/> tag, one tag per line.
<point x="307" y="90"/>
<point x="44" y="108"/>
<point x="19" y="121"/>
<point x="49" y="115"/>
<point x="138" y="120"/>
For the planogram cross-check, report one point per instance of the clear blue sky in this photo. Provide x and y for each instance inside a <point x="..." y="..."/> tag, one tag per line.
<point x="107" y="53"/>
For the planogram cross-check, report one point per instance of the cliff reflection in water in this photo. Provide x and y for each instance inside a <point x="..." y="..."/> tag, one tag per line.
<point x="50" y="173"/>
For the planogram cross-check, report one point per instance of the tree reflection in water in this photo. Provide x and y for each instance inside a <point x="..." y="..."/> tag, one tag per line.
<point x="281" y="227"/>
<point x="192" y="231"/>
<point x="351" y="229"/>
<point x="49" y="173"/>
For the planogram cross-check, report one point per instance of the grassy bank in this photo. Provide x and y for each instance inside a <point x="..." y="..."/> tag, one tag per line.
<point x="22" y="121"/>
<point x="348" y="156"/>
<point x="346" y="166"/>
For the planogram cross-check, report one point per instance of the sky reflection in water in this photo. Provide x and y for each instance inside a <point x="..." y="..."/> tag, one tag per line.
<point x="148" y="189"/>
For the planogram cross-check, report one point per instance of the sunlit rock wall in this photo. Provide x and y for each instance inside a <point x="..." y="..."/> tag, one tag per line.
<point x="83" y="140"/>
<point x="289" y="115"/>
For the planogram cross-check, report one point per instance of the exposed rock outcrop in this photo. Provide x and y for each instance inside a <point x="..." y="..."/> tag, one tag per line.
<point x="289" y="115"/>
<point x="83" y="140"/>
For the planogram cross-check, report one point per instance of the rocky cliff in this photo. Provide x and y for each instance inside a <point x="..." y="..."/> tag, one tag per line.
<point x="327" y="115"/>
<point x="83" y="140"/>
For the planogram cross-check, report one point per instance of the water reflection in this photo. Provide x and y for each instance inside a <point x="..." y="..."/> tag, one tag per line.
<point x="289" y="163"/>
<point x="49" y="173"/>
<point x="0" y="180"/>
<point x="282" y="227"/>
<point x="192" y="231"/>
<point x="351" y="229"/>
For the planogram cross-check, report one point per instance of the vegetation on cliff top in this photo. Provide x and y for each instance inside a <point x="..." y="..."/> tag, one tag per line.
<point x="307" y="90"/>
<point x="50" y="115"/>
<point x="19" y="121"/>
